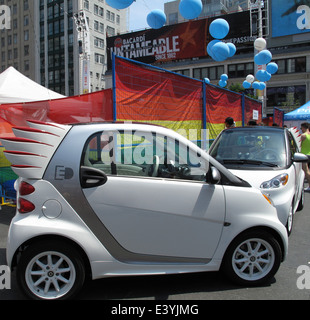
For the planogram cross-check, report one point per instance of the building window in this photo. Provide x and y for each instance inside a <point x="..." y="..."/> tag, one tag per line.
<point x="213" y="73"/>
<point x="173" y="18"/>
<point x="240" y="70"/>
<point x="26" y="35"/>
<point x="99" y="43"/>
<point x="99" y="58"/>
<point x="291" y="96"/>
<point x="184" y="72"/>
<point x="86" y="4"/>
<point x="26" y="65"/>
<point x="292" y="65"/>
<point x="26" y="50"/>
<point x="110" y="31"/>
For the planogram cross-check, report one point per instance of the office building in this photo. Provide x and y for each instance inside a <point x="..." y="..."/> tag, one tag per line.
<point x="43" y="42"/>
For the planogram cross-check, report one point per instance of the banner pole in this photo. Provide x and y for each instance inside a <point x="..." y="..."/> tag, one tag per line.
<point x="243" y="108"/>
<point x="114" y="88"/>
<point x="204" y="116"/>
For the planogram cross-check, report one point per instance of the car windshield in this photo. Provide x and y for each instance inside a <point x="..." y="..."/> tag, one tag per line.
<point x="250" y="147"/>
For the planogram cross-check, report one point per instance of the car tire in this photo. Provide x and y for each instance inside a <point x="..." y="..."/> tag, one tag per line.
<point x="252" y="259"/>
<point x="301" y="200"/>
<point x="50" y="271"/>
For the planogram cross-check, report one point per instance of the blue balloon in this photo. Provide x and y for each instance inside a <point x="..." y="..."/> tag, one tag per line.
<point x="263" y="75"/>
<point x="222" y="83"/>
<point x="263" y="57"/>
<point x="119" y="4"/>
<point x="190" y="9"/>
<point x="209" y="47"/>
<point x="255" y="85"/>
<point x="272" y="68"/>
<point x="246" y="84"/>
<point x="206" y="80"/>
<point x="220" y="51"/>
<point x="262" y="86"/>
<point x="219" y="28"/>
<point x="156" y="19"/>
<point x="224" y="77"/>
<point x="232" y="49"/>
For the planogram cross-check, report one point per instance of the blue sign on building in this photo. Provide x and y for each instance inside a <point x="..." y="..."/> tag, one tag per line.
<point x="290" y="17"/>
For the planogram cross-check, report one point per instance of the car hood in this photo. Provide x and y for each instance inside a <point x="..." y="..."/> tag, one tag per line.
<point x="254" y="177"/>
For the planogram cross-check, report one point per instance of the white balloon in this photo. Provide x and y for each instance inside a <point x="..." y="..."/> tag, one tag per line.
<point x="260" y="44"/>
<point x="250" y="78"/>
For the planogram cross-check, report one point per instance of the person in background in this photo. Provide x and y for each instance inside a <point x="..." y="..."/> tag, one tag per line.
<point x="252" y="122"/>
<point x="305" y="149"/>
<point x="229" y="123"/>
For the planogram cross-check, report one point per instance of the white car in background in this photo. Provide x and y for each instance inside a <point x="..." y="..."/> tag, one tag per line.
<point x="269" y="159"/>
<point x="114" y="199"/>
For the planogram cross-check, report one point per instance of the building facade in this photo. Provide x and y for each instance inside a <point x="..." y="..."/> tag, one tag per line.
<point x="17" y="38"/>
<point x="43" y="42"/>
<point x="289" y="88"/>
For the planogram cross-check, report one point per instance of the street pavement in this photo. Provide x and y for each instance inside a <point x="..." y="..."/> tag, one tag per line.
<point x="200" y="286"/>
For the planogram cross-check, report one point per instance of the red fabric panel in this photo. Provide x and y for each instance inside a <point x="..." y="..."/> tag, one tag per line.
<point x="278" y="117"/>
<point x="249" y="106"/>
<point x="222" y="104"/>
<point x="95" y="106"/>
<point x="150" y="94"/>
<point x="91" y="107"/>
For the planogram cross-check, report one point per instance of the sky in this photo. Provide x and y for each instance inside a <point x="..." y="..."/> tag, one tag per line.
<point x="139" y="10"/>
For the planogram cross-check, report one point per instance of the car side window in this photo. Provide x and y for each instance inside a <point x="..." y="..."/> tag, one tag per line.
<point x="142" y="154"/>
<point x="293" y="145"/>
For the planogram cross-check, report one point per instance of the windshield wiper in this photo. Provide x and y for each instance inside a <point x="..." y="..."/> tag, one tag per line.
<point x="248" y="161"/>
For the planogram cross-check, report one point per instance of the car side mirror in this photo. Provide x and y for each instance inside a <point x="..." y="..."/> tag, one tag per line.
<point x="213" y="176"/>
<point x="300" y="157"/>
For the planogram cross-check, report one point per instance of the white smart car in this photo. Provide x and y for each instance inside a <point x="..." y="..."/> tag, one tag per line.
<point x="269" y="159"/>
<point x="115" y="199"/>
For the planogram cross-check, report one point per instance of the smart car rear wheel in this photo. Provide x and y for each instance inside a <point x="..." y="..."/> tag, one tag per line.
<point x="253" y="258"/>
<point x="50" y="271"/>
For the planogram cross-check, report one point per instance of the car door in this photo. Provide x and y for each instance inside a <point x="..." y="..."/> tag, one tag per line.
<point x="155" y="201"/>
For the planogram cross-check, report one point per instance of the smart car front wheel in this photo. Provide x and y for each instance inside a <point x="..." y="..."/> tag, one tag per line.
<point x="50" y="271"/>
<point x="253" y="258"/>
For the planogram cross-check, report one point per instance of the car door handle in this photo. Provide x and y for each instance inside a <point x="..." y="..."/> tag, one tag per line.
<point x="92" y="177"/>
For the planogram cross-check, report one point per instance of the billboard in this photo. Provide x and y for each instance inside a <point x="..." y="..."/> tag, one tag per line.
<point x="290" y="17"/>
<point x="180" y="41"/>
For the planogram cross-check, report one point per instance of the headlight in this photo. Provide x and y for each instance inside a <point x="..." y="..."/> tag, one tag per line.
<point x="276" y="182"/>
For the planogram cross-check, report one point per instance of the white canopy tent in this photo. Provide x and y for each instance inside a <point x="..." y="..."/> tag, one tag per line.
<point x="16" y="88"/>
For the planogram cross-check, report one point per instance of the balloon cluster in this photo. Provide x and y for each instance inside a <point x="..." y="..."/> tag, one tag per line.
<point x="263" y="57"/>
<point x="217" y="49"/>
<point x="223" y="81"/>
